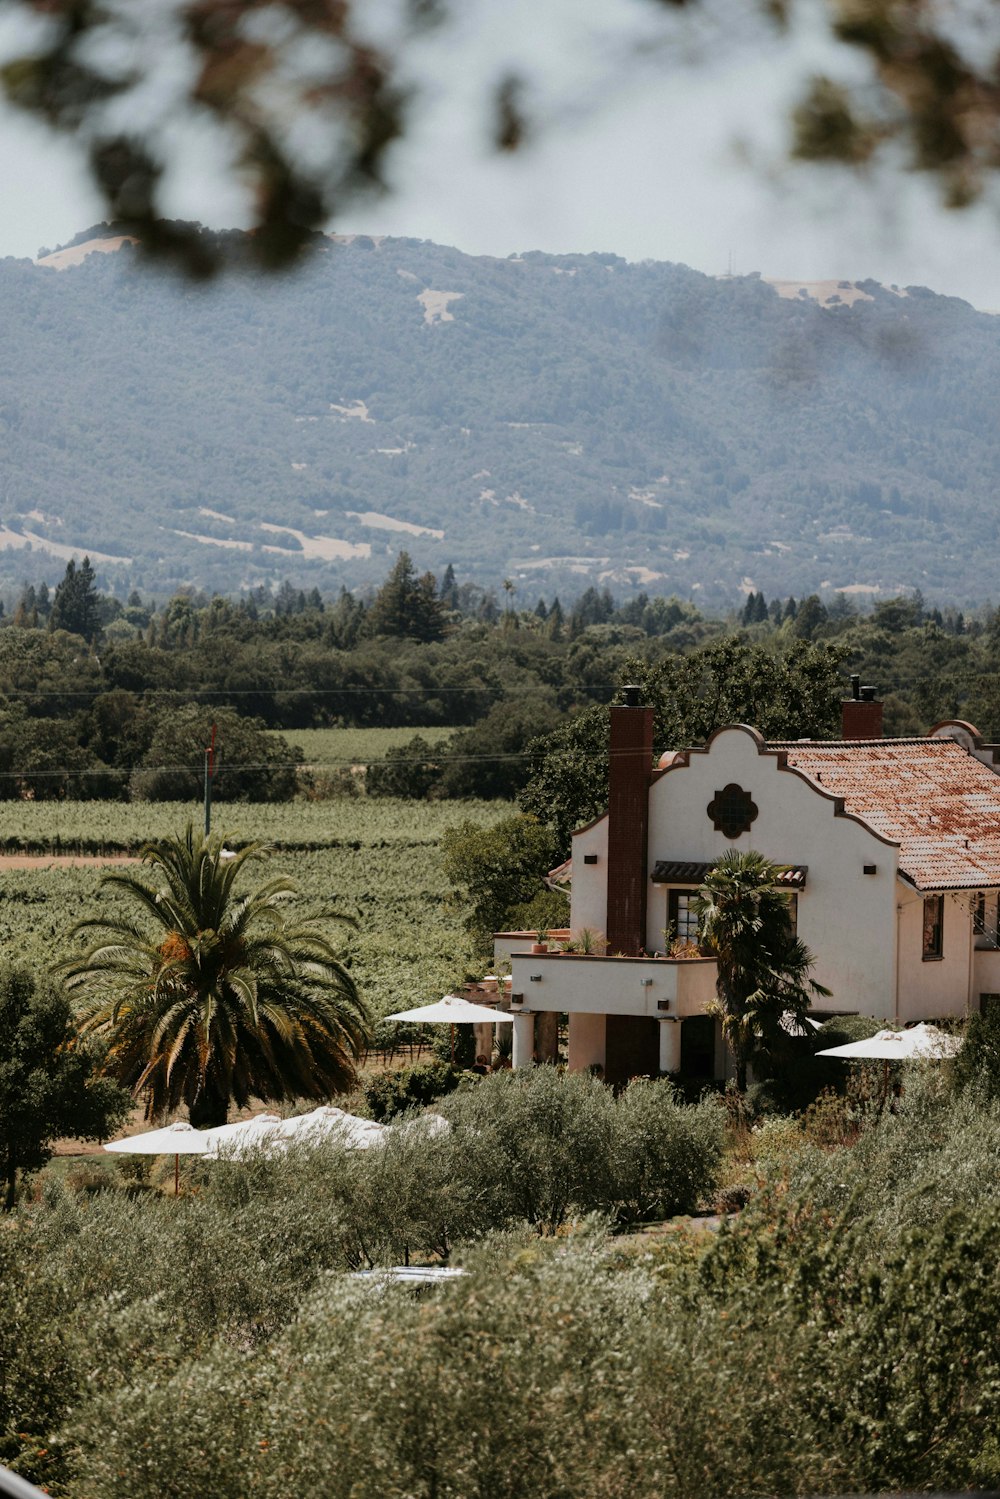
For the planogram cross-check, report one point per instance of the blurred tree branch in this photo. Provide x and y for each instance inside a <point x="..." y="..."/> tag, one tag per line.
<point x="308" y="105"/>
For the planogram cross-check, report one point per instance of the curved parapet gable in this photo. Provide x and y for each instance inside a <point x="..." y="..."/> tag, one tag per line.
<point x="681" y="759"/>
<point x="969" y="737"/>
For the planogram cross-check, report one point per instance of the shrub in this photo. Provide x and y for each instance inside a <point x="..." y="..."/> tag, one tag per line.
<point x="977" y="1065"/>
<point x="537" y="1142"/>
<point x="371" y="1394"/>
<point x="390" y="1093"/>
<point x="839" y="1336"/>
<point x="544" y="1146"/>
<point x="665" y="1155"/>
<point x="411" y="770"/>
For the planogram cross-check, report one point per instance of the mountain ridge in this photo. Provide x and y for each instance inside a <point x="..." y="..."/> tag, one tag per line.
<point x="558" y="419"/>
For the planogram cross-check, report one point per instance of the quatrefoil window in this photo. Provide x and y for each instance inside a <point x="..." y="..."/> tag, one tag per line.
<point x="732" y="810"/>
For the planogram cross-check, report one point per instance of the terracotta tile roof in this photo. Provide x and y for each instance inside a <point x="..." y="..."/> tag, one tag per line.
<point x="938" y="802"/>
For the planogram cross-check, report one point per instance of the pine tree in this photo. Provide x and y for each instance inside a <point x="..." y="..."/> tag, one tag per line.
<point x="448" y="593"/>
<point x="407" y="605"/>
<point x="76" y="605"/>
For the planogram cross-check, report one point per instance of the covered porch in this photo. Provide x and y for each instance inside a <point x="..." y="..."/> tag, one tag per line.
<point x="626" y="1015"/>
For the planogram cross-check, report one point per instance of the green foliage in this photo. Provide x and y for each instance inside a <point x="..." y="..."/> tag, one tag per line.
<point x="207" y="994"/>
<point x="489" y="759"/>
<point x="407" y="605"/>
<point x="49" y="1086"/>
<point x="75" y="607"/>
<point x="838" y="1336"/>
<point x="784" y="695"/>
<point x="495" y="870"/>
<point x="410" y="770"/>
<point x="763" y="968"/>
<point x="977" y="1064"/>
<point x="251" y="765"/>
<point x="393" y="1092"/>
<point x="541" y="1146"/>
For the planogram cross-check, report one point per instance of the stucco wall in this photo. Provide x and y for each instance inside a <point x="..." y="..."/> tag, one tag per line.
<point x="937" y="986"/>
<point x="985" y="975"/>
<point x="612" y="986"/>
<point x="847" y="918"/>
<point x="589" y="900"/>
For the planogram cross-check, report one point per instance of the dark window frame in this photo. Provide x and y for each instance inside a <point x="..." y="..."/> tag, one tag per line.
<point x="932" y="931"/>
<point x="674" y="896"/>
<point x="986" y="919"/>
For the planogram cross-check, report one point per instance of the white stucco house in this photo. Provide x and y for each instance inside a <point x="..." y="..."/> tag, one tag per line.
<point x="893" y="855"/>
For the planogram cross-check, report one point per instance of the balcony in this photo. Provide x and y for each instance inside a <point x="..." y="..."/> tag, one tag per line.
<point x="582" y="983"/>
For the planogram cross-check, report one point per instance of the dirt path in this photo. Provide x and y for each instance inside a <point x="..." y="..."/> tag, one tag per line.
<point x="62" y="861"/>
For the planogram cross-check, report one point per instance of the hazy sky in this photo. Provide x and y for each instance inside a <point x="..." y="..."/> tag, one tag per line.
<point x="672" y="155"/>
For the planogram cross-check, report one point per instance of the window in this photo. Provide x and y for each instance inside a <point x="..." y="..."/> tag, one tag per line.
<point x="986" y="921"/>
<point x="681" y="916"/>
<point x="933" y="926"/>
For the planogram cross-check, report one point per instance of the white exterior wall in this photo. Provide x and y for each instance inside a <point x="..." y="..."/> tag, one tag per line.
<point x="589" y="899"/>
<point x="935" y="986"/>
<point x="847" y="918"/>
<point x="985" y="974"/>
<point x="505" y="943"/>
<point x="575" y="984"/>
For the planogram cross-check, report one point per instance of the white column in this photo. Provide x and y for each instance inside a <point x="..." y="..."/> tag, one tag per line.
<point x="670" y="1045"/>
<point x="524" y="1040"/>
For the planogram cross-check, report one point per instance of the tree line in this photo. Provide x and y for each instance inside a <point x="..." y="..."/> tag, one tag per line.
<point x="100" y="698"/>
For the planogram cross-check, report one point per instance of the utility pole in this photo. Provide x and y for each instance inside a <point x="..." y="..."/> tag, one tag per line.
<point x="209" y="771"/>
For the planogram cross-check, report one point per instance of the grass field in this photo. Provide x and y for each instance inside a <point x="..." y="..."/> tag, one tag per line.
<point x="378" y="862"/>
<point x="337" y="748"/>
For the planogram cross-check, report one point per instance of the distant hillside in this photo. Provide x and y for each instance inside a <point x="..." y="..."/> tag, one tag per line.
<point x="559" y="420"/>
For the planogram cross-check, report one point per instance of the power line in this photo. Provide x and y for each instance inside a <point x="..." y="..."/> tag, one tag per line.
<point x="106" y="689"/>
<point x="300" y="765"/>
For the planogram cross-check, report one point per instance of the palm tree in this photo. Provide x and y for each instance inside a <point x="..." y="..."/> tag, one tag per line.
<point x="208" y="996"/>
<point x="763" y="968"/>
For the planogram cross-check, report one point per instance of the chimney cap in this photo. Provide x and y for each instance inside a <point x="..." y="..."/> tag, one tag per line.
<point x="868" y="694"/>
<point x="855" y="686"/>
<point x="631" y="696"/>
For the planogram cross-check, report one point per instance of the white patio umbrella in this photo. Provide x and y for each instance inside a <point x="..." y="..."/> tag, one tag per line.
<point x="175" y="1139"/>
<point x="919" y="1043"/>
<point x="326" y="1123"/>
<point x="244" y="1135"/>
<point x="453" y="1010"/>
<point x="428" y="1125"/>
<point x="793" y="1027"/>
<point x="270" y="1132"/>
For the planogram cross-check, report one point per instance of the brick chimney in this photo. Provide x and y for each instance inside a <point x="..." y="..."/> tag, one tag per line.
<point x="628" y="823"/>
<point x="861" y="714"/>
